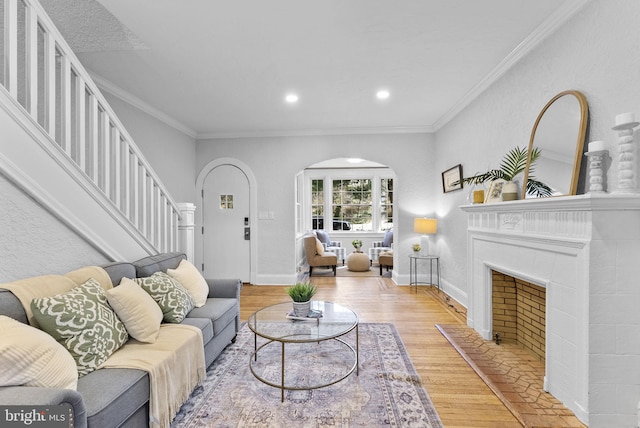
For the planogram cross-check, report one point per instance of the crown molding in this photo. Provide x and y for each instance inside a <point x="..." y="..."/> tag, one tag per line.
<point x="426" y="129"/>
<point x="548" y="27"/>
<point x="107" y="86"/>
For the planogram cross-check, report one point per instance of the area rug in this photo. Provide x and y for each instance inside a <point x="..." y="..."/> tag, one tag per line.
<point x="387" y="392"/>
<point x="343" y="271"/>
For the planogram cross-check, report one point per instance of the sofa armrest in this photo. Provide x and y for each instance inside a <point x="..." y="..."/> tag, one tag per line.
<point x="229" y="288"/>
<point x="34" y="396"/>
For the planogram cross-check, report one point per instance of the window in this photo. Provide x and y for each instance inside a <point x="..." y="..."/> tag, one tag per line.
<point x="317" y="204"/>
<point x="386" y="203"/>
<point x="351" y="206"/>
<point x="358" y="200"/>
<point x="226" y="202"/>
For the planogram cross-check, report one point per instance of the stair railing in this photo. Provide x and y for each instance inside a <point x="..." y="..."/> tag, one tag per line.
<point x="41" y="73"/>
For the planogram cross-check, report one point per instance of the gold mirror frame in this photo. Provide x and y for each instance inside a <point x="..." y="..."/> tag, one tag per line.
<point x="579" y="143"/>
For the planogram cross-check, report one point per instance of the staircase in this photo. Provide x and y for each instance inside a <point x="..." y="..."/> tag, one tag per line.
<point x="63" y="146"/>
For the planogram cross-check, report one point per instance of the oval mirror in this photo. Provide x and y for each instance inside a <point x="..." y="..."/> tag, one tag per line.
<point x="558" y="136"/>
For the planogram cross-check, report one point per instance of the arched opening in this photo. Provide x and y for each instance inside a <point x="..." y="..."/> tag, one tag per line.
<point x="350" y="199"/>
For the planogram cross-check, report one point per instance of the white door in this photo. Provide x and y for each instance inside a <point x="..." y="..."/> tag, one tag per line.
<point x="226" y="230"/>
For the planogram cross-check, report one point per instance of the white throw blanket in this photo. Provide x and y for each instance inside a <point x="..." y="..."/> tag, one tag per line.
<point x="173" y="375"/>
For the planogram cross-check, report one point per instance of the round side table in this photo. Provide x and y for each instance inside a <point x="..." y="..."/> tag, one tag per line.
<point x="358" y="262"/>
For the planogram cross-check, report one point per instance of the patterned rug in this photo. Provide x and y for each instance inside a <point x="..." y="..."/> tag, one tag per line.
<point x="386" y="393"/>
<point x="343" y="271"/>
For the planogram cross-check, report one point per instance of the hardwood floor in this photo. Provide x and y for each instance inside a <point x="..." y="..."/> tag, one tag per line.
<point x="461" y="398"/>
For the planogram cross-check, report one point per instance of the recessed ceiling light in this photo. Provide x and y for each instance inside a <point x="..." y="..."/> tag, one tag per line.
<point x="291" y="98"/>
<point x="382" y="94"/>
<point x="354" y="160"/>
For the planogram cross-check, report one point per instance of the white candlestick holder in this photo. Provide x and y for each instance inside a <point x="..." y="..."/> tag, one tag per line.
<point x="625" y="124"/>
<point x="597" y="178"/>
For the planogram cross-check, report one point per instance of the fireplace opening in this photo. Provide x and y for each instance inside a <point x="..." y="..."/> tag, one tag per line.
<point x="519" y="309"/>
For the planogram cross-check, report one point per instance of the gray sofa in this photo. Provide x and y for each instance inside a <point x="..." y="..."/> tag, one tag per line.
<point x="112" y="397"/>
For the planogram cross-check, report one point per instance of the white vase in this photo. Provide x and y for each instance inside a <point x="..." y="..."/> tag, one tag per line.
<point x="301" y="309"/>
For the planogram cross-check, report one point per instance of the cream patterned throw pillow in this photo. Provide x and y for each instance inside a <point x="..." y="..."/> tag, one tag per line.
<point x="174" y="301"/>
<point x="190" y="278"/>
<point x="138" y="311"/>
<point x="30" y="357"/>
<point x="82" y="321"/>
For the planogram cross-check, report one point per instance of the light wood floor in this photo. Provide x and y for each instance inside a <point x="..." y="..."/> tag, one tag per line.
<point x="461" y="398"/>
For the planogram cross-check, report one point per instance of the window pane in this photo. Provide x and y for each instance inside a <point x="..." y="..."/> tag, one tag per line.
<point x="386" y="203"/>
<point x="352" y="204"/>
<point x="317" y="204"/>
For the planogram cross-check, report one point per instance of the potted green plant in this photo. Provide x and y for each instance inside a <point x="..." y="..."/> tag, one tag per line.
<point x="416" y="248"/>
<point x="301" y="294"/>
<point x="513" y="163"/>
<point x="357" y="244"/>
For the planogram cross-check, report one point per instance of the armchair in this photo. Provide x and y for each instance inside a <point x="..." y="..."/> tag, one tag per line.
<point x="329" y="245"/>
<point x="316" y="257"/>
<point x="379" y="246"/>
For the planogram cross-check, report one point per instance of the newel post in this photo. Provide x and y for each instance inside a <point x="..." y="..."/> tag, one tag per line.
<point x="186" y="229"/>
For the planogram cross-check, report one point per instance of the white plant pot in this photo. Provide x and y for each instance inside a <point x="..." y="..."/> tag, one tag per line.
<point x="301" y="309"/>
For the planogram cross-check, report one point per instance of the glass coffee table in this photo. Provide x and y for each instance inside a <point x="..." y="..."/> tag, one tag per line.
<point x="304" y="337"/>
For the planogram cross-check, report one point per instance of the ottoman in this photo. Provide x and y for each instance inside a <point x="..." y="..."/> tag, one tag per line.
<point x="358" y="262"/>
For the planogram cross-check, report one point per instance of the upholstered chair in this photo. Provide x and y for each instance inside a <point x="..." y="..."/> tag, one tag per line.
<point x="316" y="257"/>
<point x="385" y="259"/>
<point x="379" y="246"/>
<point x="329" y="245"/>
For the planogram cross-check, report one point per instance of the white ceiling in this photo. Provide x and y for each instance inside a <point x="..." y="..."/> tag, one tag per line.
<point x="222" y="68"/>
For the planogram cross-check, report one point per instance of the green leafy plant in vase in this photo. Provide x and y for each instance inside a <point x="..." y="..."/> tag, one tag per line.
<point x="514" y="163"/>
<point x="301" y="294"/>
<point x="357" y="244"/>
<point x="416" y="248"/>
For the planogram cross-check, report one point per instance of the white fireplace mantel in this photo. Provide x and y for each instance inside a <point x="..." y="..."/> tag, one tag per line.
<point x="585" y="250"/>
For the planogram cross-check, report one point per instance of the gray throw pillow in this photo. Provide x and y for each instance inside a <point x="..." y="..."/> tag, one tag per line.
<point x="323" y="236"/>
<point x="388" y="238"/>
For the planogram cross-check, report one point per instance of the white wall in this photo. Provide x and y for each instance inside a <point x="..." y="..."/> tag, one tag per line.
<point x="596" y="52"/>
<point x="34" y="242"/>
<point x="275" y="161"/>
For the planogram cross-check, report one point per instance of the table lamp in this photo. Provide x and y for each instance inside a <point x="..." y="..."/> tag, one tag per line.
<point x="425" y="226"/>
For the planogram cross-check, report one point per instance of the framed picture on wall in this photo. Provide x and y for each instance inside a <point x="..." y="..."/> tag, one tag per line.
<point x="495" y="191"/>
<point x="452" y="179"/>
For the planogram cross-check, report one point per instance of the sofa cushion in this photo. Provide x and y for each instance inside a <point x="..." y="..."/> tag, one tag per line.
<point x="220" y="311"/>
<point x="157" y="263"/>
<point x="174" y="301"/>
<point x="112" y="395"/>
<point x="138" y="311"/>
<point x="119" y="270"/>
<point x="204" y="324"/>
<point x="83" y="322"/>
<point x="31" y="357"/>
<point x="190" y="278"/>
<point x="319" y="247"/>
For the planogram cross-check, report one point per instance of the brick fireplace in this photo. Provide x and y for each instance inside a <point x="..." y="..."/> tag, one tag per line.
<point x="584" y="252"/>
<point x="519" y="313"/>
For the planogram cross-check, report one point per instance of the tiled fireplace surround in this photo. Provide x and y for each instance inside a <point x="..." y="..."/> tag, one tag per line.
<point x="585" y="251"/>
